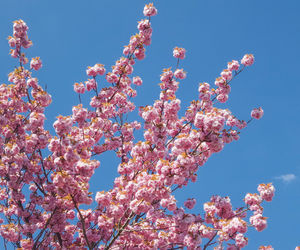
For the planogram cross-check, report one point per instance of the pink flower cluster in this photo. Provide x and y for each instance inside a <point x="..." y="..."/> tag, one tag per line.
<point x="257" y="113"/>
<point x="179" y="53"/>
<point x="79" y="87"/>
<point x="36" y="63"/>
<point x="190" y="203"/>
<point x="150" y="10"/>
<point x="18" y="40"/>
<point x="41" y="195"/>
<point x="266" y="192"/>
<point x="97" y="69"/>
<point x="248" y="60"/>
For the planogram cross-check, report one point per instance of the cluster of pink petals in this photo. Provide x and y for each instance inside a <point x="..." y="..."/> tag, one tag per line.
<point x="97" y="69"/>
<point x="222" y="82"/>
<point x="150" y="10"/>
<point x="32" y="82"/>
<point x="18" y="40"/>
<point x="79" y="88"/>
<point x="36" y="63"/>
<point x="257" y="113"/>
<point x="253" y="199"/>
<point x="179" y="53"/>
<point x="247" y="60"/>
<point x="266" y="191"/>
<point x="137" y="81"/>
<point x="180" y="74"/>
<point x="90" y="84"/>
<point x="258" y="221"/>
<point x="233" y="65"/>
<point x="241" y="241"/>
<point x="190" y="203"/>
<point x="140" y="211"/>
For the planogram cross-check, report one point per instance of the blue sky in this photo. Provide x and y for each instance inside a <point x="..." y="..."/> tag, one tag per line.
<point x="70" y="35"/>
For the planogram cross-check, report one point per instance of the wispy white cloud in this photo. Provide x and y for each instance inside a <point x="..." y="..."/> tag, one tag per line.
<point x="286" y="177"/>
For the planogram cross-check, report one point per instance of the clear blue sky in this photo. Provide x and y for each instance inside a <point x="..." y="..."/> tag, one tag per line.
<point x="70" y="35"/>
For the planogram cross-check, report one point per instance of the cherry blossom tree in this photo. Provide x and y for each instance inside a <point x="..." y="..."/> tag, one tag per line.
<point x="45" y="178"/>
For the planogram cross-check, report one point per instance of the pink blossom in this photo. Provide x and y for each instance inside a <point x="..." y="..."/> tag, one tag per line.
<point x="252" y="199"/>
<point x="247" y="60"/>
<point x="91" y="71"/>
<point x="190" y="203"/>
<point x="111" y="78"/>
<point x="99" y="69"/>
<point x="179" y="53"/>
<point x="233" y="65"/>
<point x="14" y="53"/>
<point x="36" y="120"/>
<point x="140" y="53"/>
<point x="257" y="113"/>
<point x="63" y="125"/>
<point x="79" y="87"/>
<point x="234" y="225"/>
<point x="259" y="222"/>
<point x="240" y="240"/>
<point x="27" y="244"/>
<point x="140" y="208"/>
<point x="12" y="42"/>
<point x="180" y="74"/>
<point x="266" y="191"/>
<point x="126" y="50"/>
<point x="32" y="82"/>
<point x="226" y="74"/>
<point x="220" y="82"/>
<point x="91" y="84"/>
<point x="222" y="98"/>
<point x="167" y="75"/>
<point x="79" y="113"/>
<point x="149" y="10"/>
<point x="36" y="63"/>
<point x="26" y="43"/>
<point x="144" y="25"/>
<point x="103" y="198"/>
<point x="234" y="134"/>
<point x="232" y="121"/>
<point x="137" y="81"/>
<point x="19" y="28"/>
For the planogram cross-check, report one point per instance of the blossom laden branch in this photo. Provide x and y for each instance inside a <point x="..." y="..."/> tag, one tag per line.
<point x="140" y="211"/>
